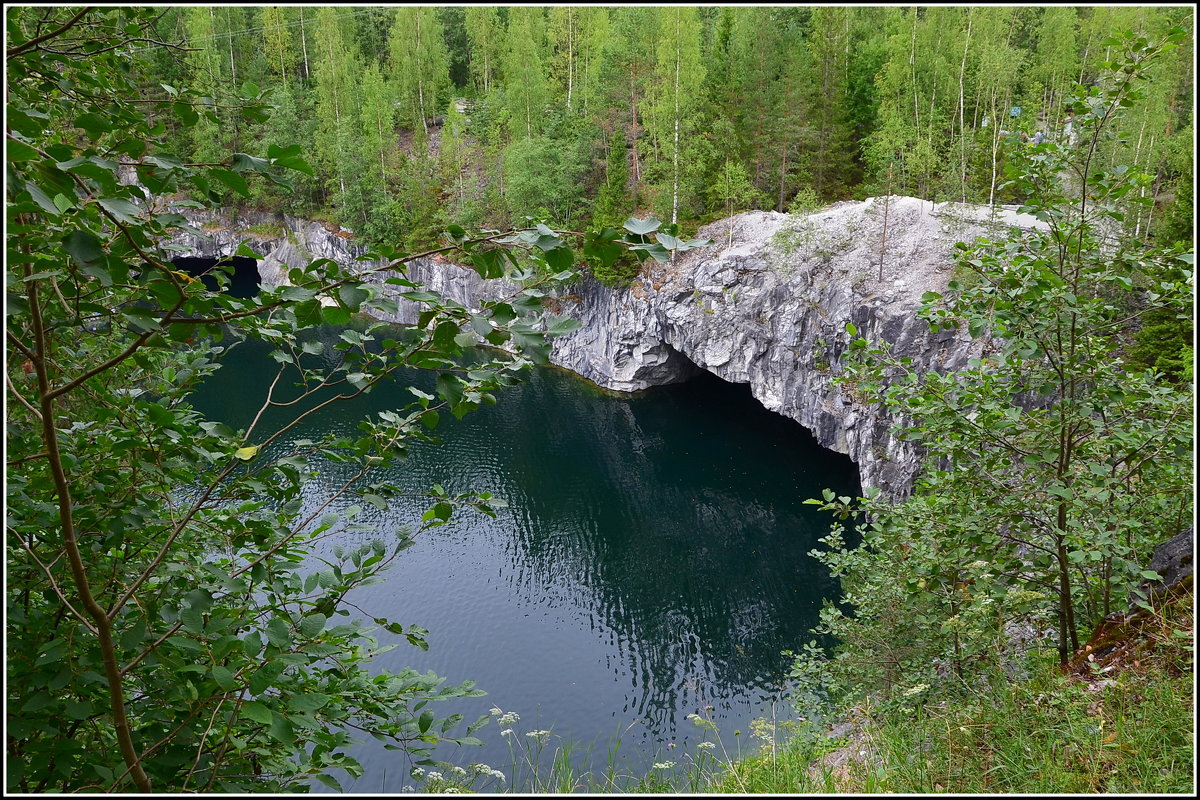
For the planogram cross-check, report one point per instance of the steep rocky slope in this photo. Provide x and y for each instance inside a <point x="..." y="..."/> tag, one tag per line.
<point x="768" y="310"/>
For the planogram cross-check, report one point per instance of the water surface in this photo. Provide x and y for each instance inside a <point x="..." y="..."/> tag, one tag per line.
<point x="652" y="561"/>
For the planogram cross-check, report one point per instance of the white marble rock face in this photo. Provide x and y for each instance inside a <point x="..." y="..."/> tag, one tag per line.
<point x="770" y="310"/>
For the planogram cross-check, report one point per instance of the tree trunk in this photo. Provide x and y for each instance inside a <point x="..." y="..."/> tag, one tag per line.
<point x="303" y="44"/>
<point x="962" y="129"/>
<point x="570" y="56"/>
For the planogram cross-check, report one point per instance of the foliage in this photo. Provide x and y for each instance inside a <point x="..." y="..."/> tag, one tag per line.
<point x="168" y="628"/>
<point x="825" y="98"/>
<point x="804" y="202"/>
<point x="1127" y="731"/>
<point x="613" y="202"/>
<point x="544" y="177"/>
<point x="1052" y="466"/>
<point x="733" y="191"/>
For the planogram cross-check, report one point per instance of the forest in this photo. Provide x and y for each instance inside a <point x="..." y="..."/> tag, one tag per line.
<point x="170" y="623"/>
<point x="422" y="117"/>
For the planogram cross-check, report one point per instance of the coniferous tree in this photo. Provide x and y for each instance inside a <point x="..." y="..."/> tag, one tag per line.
<point x="613" y="202"/>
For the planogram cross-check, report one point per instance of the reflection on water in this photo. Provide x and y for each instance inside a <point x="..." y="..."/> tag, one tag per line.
<point x="652" y="561"/>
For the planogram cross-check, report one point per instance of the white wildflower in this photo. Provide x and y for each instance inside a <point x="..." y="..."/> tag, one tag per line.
<point x="707" y="746"/>
<point x="541" y="736"/>
<point x="665" y="765"/>
<point x="511" y="718"/>
<point x="496" y="711"/>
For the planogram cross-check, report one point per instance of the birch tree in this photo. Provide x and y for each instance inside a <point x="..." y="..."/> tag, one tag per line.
<point x="524" y="76"/>
<point x="420" y="63"/>
<point x="336" y="74"/>
<point x="672" y="110"/>
<point x="485" y="33"/>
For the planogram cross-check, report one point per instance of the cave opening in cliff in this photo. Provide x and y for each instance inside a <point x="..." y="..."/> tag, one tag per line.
<point x="745" y="414"/>
<point x="241" y="278"/>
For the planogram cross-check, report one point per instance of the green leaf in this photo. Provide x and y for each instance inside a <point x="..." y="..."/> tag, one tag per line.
<point x="560" y="258"/>
<point x="312" y="624"/>
<point x="309" y="702"/>
<point x="224" y="678"/>
<point x="329" y="781"/>
<point x="425" y="721"/>
<point x="440" y="511"/>
<point x="279" y="633"/>
<point x="655" y="251"/>
<point x="187" y="115"/>
<point x="281" y="729"/>
<point x="84" y="248"/>
<point x="561" y="325"/>
<point x="335" y="315"/>
<point x="289" y="157"/>
<point x="642" y="227"/>
<point x="232" y="180"/>
<point x="352" y="296"/>
<point x="489" y="263"/>
<point x="245" y="163"/>
<point x="123" y="210"/>
<point x="19" y="151"/>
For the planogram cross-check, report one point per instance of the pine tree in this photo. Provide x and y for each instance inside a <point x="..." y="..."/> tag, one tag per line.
<point x="613" y="202"/>
<point x="627" y="62"/>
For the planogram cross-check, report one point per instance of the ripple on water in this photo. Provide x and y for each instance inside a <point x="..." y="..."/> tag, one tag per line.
<point x="652" y="560"/>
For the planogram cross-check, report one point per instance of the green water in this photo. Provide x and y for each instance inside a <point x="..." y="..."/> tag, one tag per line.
<point x="652" y="561"/>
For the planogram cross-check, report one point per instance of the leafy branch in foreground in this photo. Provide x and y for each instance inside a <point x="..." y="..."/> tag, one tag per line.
<point x="1052" y="465"/>
<point x="168" y="627"/>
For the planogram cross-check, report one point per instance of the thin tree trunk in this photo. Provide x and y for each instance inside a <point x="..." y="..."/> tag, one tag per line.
<point x="633" y="136"/>
<point x="232" y="65"/>
<point x="570" y="56"/>
<point x="782" y="177"/>
<point x="912" y="63"/>
<point x="303" y="44"/>
<point x="962" y="129"/>
<point x="103" y="625"/>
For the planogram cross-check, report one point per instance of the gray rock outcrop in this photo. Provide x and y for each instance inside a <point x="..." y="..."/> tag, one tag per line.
<point x="769" y="310"/>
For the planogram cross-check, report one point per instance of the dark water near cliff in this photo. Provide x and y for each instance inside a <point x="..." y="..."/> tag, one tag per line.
<point x="652" y="561"/>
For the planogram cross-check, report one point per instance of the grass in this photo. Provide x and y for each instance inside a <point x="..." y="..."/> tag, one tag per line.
<point x="1121" y="724"/>
<point x="1125" y="728"/>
